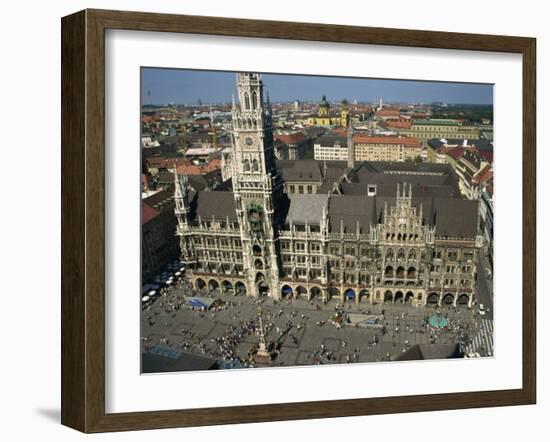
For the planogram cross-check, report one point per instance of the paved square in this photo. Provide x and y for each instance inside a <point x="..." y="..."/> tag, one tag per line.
<point x="299" y="332"/>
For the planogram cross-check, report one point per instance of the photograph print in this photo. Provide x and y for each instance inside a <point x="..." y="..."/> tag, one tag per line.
<point x="299" y="220"/>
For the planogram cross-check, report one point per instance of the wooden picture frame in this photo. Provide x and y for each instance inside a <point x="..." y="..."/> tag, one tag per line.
<point x="83" y="220"/>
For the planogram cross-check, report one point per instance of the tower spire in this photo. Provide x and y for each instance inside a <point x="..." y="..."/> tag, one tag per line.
<point x="181" y="190"/>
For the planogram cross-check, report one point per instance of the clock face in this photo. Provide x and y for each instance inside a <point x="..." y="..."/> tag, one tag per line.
<point x="249" y="141"/>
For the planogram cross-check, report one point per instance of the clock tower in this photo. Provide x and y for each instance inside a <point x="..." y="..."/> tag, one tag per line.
<point x="257" y="185"/>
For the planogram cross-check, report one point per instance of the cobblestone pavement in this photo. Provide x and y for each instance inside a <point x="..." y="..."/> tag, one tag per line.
<point x="300" y="330"/>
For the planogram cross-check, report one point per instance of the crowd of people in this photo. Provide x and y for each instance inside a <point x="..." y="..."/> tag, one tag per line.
<point x="282" y="325"/>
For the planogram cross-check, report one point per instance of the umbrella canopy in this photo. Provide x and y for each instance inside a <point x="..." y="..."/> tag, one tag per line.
<point x="145" y="298"/>
<point x="197" y="303"/>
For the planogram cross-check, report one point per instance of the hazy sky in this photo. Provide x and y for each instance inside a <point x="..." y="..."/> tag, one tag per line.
<point x="187" y="86"/>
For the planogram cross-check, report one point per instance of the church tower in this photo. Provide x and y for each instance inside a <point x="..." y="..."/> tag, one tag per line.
<point x="257" y="185"/>
<point x="182" y="210"/>
<point x="324" y="107"/>
<point x="344" y="113"/>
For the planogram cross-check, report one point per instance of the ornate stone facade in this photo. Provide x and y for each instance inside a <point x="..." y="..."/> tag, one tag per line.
<point x="351" y="240"/>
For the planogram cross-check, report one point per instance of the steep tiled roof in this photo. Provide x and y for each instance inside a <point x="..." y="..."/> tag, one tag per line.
<point x="455" y="152"/>
<point x="455" y="218"/>
<point x="332" y="140"/>
<point x="165" y="162"/>
<point x="296" y="138"/>
<point x="486" y="155"/>
<point x="159" y="198"/>
<point x="192" y="169"/>
<point x="399" y="123"/>
<point x="303" y="170"/>
<point x="148" y="213"/>
<point x="483" y="175"/>
<point x="218" y="205"/>
<point x="306" y="208"/>
<point x="348" y="210"/>
<point x="387" y="113"/>
<point x="365" y="139"/>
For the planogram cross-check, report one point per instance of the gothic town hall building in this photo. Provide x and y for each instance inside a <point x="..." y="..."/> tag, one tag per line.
<point x="366" y="232"/>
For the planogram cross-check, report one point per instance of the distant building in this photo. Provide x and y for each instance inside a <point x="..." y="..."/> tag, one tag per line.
<point x="326" y="117"/>
<point x="386" y="114"/>
<point x="158" y="230"/>
<point x="202" y="154"/>
<point x="397" y="123"/>
<point x="291" y="145"/>
<point x="331" y="147"/>
<point x="155" y="164"/>
<point x="487" y="219"/>
<point x="450" y="150"/>
<point x="389" y="148"/>
<point x="424" y="130"/>
<point x="148" y="142"/>
<point x="467" y="168"/>
<point x="302" y="177"/>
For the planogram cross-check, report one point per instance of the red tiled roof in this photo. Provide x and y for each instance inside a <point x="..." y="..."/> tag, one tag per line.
<point x="400" y="123"/>
<point x="365" y="139"/>
<point x="148" y="213"/>
<point x="145" y="180"/>
<point x="455" y="152"/>
<point x="387" y="113"/>
<point x="339" y="131"/>
<point x="202" y="121"/>
<point x="168" y="163"/>
<point x="296" y="138"/>
<point x="193" y="169"/>
<point x="483" y="175"/>
<point x="486" y="155"/>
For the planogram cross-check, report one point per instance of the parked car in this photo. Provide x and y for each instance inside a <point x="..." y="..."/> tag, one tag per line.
<point x="481" y="310"/>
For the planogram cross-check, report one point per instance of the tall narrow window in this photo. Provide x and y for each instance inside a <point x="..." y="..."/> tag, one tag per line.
<point x="254" y="100"/>
<point x="246" y="101"/>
